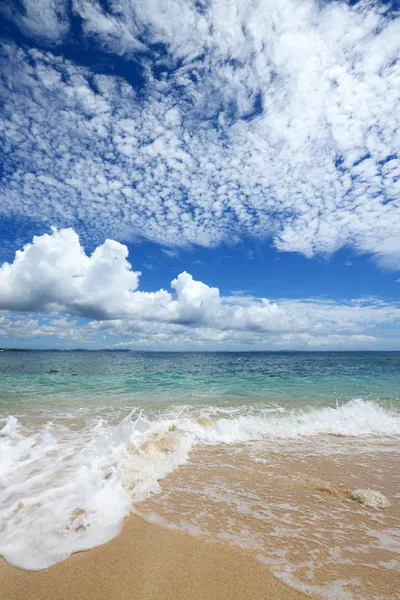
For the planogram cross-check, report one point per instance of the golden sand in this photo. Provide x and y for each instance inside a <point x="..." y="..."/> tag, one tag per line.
<point x="148" y="562"/>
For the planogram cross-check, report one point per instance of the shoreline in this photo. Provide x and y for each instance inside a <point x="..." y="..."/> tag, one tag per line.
<point x="147" y="562"/>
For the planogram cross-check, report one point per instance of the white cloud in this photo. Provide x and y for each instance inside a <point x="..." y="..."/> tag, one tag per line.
<point x="32" y="329"/>
<point x="54" y="276"/>
<point x="218" y="340"/>
<point x="43" y="19"/>
<point x="170" y="253"/>
<point x="273" y="118"/>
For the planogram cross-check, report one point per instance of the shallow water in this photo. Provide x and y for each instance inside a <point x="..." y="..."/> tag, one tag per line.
<point x="288" y="503"/>
<point x="258" y="449"/>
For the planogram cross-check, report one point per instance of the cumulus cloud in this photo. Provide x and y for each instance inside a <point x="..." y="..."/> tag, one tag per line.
<point x="255" y="118"/>
<point x="54" y="276"/>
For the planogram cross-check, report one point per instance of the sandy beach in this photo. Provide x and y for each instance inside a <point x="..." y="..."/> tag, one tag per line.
<point x="147" y="561"/>
<point x="225" y="525"/>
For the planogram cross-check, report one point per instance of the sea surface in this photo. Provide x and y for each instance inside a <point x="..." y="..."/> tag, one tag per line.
<point x="255" y="449"/>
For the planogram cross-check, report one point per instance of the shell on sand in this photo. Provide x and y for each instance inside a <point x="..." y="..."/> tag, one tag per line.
<point x="370" y="498"/>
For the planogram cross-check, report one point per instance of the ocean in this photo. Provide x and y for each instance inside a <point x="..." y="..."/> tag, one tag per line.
<point x="255" y="449"/>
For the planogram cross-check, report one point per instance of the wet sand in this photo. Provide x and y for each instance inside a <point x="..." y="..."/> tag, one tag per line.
<point x="288" y="504"/>
<point x="147" y="561"/>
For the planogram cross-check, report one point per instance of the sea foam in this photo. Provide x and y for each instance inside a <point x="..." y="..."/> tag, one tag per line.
<point x="63" y="490"/>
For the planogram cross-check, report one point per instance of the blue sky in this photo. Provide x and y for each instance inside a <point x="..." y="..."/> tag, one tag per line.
<point x="242" y="157"/>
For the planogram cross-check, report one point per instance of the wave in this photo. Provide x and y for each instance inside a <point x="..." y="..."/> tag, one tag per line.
<point x="64" y="490"/>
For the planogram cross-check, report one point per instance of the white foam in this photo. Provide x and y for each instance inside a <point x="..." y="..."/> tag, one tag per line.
<point x="356" y="418"/>
<point x="63" y="490"/>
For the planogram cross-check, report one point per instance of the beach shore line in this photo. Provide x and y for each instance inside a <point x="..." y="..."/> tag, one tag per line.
<point x="149" y="562"/>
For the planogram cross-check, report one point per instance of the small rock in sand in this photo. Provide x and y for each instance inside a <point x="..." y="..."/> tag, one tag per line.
<point x="370" y="498"/>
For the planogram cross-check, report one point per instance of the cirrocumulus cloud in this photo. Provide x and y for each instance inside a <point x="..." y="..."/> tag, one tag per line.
<point x="245" y="118"/>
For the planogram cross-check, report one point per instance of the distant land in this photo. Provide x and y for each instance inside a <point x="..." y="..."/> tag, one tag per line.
<point x="63" y="350"/>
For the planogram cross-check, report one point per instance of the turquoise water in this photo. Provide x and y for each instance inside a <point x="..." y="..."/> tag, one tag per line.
<point x="34" y="381"/>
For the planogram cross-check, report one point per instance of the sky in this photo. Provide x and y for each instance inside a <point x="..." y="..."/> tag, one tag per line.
<point x="200" y="175"/>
